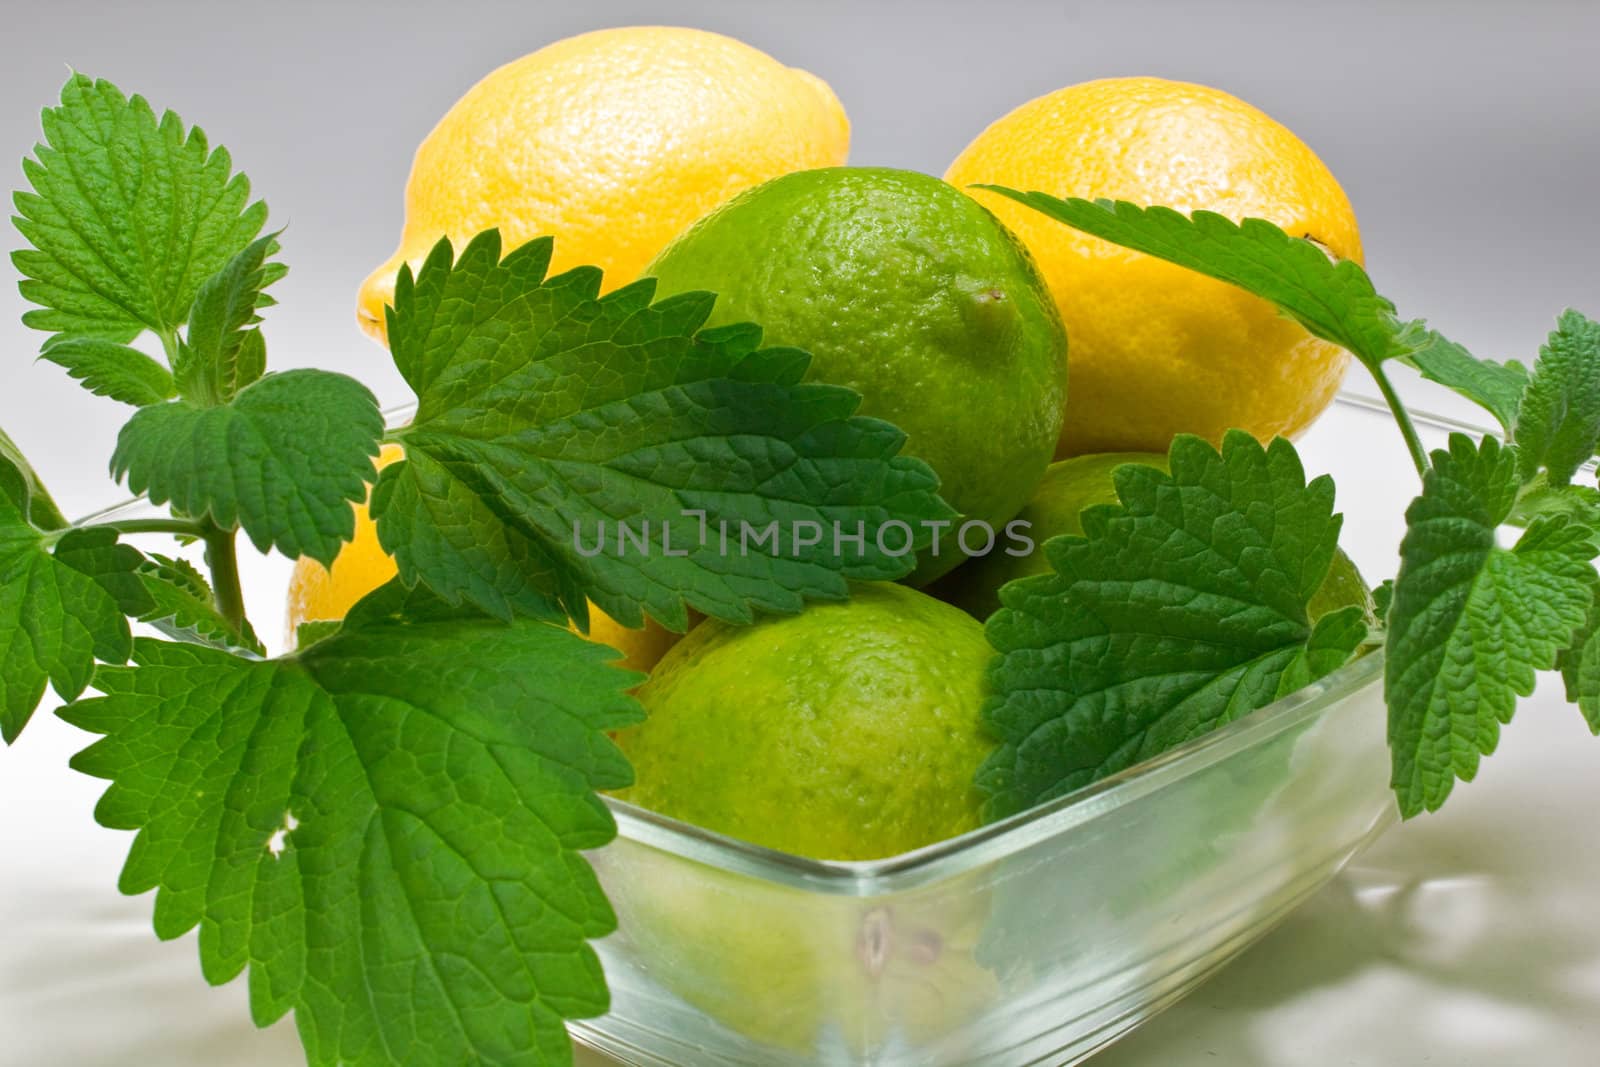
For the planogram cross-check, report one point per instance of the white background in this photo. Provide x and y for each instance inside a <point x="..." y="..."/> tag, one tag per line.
<point x="1469" y="140"/>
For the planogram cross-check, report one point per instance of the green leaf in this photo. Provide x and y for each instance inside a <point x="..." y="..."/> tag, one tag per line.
<point x="21" y="486"/>
<point x="1579" y="664"/>
<point x="1538" y="497"/>
<point x="96" y="553"/>
<point x="284" y="460"/>
<point x="1175" y="613"/>
<point x="1333" y="299"/>
<point x="310" y="632"/>
<point x="114" y="370"/>
<point x="1382" y="597"/>
<point x="386" y="829"/>
<point x="1495" y="387"/>
<point x="55" y="621"/>
<point x="1558" y="423"/>
<point x="221" y="353"/>
<point x="129" y="214"/>
<point x="546" y="413"/>
<point x="1470" y="622"/>
<point x="183" y="606"/>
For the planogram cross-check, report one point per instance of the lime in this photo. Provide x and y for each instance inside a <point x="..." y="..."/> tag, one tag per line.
<point x="849" y="732"/>
<point x="909" y="292"/>
<point x="1069" y="487"/>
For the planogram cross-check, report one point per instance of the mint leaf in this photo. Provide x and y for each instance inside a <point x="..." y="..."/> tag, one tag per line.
<point x="221" y="353"/>
<point x="1470" y="622"/>
<point x="1333" y="300"/>
<point x="96" y="553"/>
<point x="284" y="459"/>
<point x="182" y="606"/>
<point x="113" y="370"/>
<point x="1382" y="597"/>
<point x="1538" y="497"/>
<point x="1579" y="664"/>
<point x="1495" y="387"/>
<point x="386" y="828"/>
<point x="22" y="487"/>
<point x="1176" y="612"/>
<point x="543" y="408"/>
<point x="55" y="621"/>
<point x="313" y="630"/>
<point x="1558" y="423"/>
<point x="129" y="214"/>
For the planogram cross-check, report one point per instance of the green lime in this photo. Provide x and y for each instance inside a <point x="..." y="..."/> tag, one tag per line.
<point x="1068" y="488"/>
<point x="848" y="732"/>
<point x="908" y="291"/>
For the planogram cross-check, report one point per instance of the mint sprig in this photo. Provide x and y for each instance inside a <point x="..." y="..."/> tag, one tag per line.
<point x="385" y="829"/>
<point x="128" y="216"/>
<point x="1469" y="623"/>
<point x="1176" y="612"/>
<point x="548" y="414"/>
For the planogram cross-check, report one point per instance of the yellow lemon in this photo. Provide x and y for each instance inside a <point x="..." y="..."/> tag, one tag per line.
<point x="1155" y="349"/>
<point x="613" y="142"/>
<point x="321" y="593"/>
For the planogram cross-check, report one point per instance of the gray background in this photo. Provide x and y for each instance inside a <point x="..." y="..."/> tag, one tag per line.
<point x="1468" y="139"/>
<point x="1464" y="133"/>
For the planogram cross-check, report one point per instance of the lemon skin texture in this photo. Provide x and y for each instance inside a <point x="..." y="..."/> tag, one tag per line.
<point x="612" y="142"/>
<point x="1159" y="350"/>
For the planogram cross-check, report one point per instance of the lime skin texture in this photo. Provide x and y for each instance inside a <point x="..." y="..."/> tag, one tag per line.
<point x="910" y="292"/>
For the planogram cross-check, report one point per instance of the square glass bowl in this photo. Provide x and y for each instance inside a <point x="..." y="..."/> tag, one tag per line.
<point x="1036" y="940"/>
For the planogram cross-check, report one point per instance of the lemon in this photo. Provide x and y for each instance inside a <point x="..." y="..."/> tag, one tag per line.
<point x="909" y="292"/>
<point x="850" y="731"/>
<point x="1157" y="349"/>
<point x="1069" y="487"/>
<point x="612" y="142"/>
<point x="318" y="593"/>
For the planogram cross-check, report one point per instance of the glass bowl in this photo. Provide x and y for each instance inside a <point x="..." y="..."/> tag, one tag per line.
<point x="1036" y="940"/>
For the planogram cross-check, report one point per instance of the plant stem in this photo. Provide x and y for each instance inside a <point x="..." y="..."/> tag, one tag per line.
<point x="1402" y="418"/>
<point x="224" y="564"/>
<point x="177" y="527"/>
<point x="169" y="345"/>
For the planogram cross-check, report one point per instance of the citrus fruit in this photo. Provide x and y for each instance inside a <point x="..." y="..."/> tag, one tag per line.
<point x="1158" y="349"/>
<point x="1069" y="487"/>
<point x="909" y="292"/>
<point x="612" y="142"/>
<point x="318" y="593"/>
<point x="850" y="731"/>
